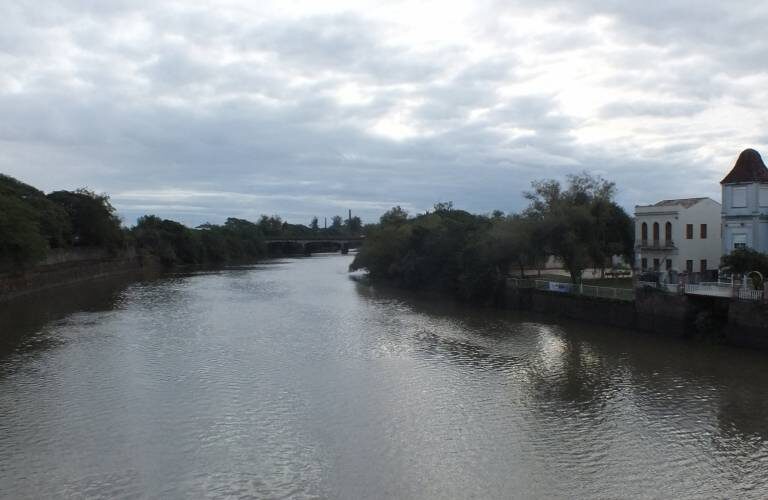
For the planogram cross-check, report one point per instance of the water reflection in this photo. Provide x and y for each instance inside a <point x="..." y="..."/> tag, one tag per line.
<point x="288" y="379"/>
<point x="23" y="320"/>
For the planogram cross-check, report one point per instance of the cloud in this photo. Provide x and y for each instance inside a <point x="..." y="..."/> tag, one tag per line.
<point x="202" y="110"/>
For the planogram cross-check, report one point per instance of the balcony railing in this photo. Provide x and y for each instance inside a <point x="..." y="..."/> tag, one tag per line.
<point x="656" y="244"/>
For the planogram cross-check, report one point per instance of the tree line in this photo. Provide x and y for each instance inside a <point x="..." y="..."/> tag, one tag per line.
<point x="33" y="223"/>
<point x="470" y="255"/>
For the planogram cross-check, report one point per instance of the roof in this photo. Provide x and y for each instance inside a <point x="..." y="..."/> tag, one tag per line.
<point x="748" y="168"/>
<point x="685" y="202"/>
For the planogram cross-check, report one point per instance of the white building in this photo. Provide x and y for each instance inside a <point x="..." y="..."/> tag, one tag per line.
<point x="745" y="204"/>
<point x="680" y="235"/>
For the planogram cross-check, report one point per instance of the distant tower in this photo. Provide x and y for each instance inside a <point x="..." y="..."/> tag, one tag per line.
<point x="325" y="222"/>
<point x="350" y="216"/>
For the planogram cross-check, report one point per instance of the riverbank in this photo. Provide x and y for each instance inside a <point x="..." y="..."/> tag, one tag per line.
<point x="710" y="319"/>
<point x="72" y="268"/>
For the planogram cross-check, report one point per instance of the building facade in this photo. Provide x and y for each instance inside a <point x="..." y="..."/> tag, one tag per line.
<point x="745" y="204"/>
<point x="678" y="235"/>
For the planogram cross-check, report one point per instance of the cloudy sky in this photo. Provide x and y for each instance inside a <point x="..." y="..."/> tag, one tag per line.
<point x="199" y="110"/>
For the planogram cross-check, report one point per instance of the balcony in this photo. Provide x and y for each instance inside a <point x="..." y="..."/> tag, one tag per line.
<point x="665" y="246"/>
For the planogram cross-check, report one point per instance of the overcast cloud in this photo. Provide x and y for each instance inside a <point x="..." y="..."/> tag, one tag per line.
<point x="198" y="110"/>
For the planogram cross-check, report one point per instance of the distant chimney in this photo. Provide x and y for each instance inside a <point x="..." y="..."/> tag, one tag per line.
<point x="350" y="215"/>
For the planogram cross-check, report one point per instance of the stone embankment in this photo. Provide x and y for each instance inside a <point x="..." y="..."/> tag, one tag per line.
<point x="725" y="320"/>
<point x="66" y="268"/>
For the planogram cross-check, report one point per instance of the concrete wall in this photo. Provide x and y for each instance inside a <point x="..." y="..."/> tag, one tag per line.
<point x="79" y="267"/>
<point x="739" y="323"/>
<point x="660" y="312"/>
<point x="747" y="324"/>
<point x="603" y="311"/>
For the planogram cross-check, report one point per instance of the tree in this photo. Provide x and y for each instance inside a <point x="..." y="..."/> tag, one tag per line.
<point x="21" y="241"/>
<point x="354" y="225"/>
<point x="170" y="241"/>
<point x="52" y="221"/>
<point x="744" y="260"/>
<point x="337" y="223"/>
<point x="94" y="220"/>
<point x="314" y="225"/>
<point x="582" y="224"/>
<point x="271" y="226"/>
<point x="395" y="215"/>
<point x="519" y="241"/>
<point x="447" y="250"/>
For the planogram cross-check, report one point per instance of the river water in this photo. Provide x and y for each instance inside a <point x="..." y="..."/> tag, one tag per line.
<point x="290" y="379"/>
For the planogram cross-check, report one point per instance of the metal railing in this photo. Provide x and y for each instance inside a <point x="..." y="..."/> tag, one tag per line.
<point x="745" y="294"/>
<point x="655" y="244"/>
<point x="665" y="287"/>
<point x="724" y="290"/>
<point x="712" y="289"/>
<point x="602" y="292"/>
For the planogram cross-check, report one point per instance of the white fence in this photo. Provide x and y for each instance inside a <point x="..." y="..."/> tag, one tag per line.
<point x="750" y="294"/>
<point x="602" y="292"/>
<point x="724" y="290"/>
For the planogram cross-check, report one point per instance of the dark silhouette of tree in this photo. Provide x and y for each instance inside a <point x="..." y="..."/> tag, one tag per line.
<point x="395" y="215"/>
<point x="93" y="219"/>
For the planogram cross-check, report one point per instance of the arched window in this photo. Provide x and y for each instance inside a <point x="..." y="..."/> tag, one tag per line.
<point x="644" y="232"/>
<point x="668" y="233"/>
<point x="655" y="232"/>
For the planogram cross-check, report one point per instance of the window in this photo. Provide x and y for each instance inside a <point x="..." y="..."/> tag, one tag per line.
<point x="739" y="241"/>
<point x="644" y="232"/>
<point x="668" y="233"/>
<point x="656" y="232"/>
<point x="739" y="197"/>
<point x="764" y="196"/>
<point x="689" y="231"/>
<point x="703" y="231"/>
<point x="703" y="265"/>
<point x="644" y="263"/>
<point x="669" y="264"/>
<point x="655" y="264"/>
<point x="689" y="266"/>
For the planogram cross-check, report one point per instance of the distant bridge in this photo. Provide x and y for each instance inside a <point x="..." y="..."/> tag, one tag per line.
<point x="310" y="243"/>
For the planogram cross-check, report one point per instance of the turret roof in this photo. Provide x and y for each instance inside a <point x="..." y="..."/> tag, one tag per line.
<point x="749" y="168"/>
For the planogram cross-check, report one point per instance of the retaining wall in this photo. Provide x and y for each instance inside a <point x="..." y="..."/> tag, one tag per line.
<point x="70" y="268"/>
<point x="740" y="323"/>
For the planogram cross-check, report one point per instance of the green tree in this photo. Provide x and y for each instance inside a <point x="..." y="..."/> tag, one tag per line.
<point x="395" y="215"/>
<point x="93" y="219"/>
<point x="447" y="250"/>
<point x="21" y="242"/>
<point x="314" y="225"/>
<point x="519" y="242"/>
<point x="172" y="242"/>
<point x="271" y="226"/>
<point x="582" y="224"/>
<point x="354" y="225"/>
<point x="745" y="260"/>
<point x="337" y="225"/>
<point x="53" y="222"/>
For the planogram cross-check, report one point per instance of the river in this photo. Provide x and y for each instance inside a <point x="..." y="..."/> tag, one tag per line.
<point x="291" y="379"/>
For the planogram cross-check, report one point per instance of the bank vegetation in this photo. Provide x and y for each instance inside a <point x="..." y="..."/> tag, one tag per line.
<point x="470" y="255"/>
<point x="33" y="223"/>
